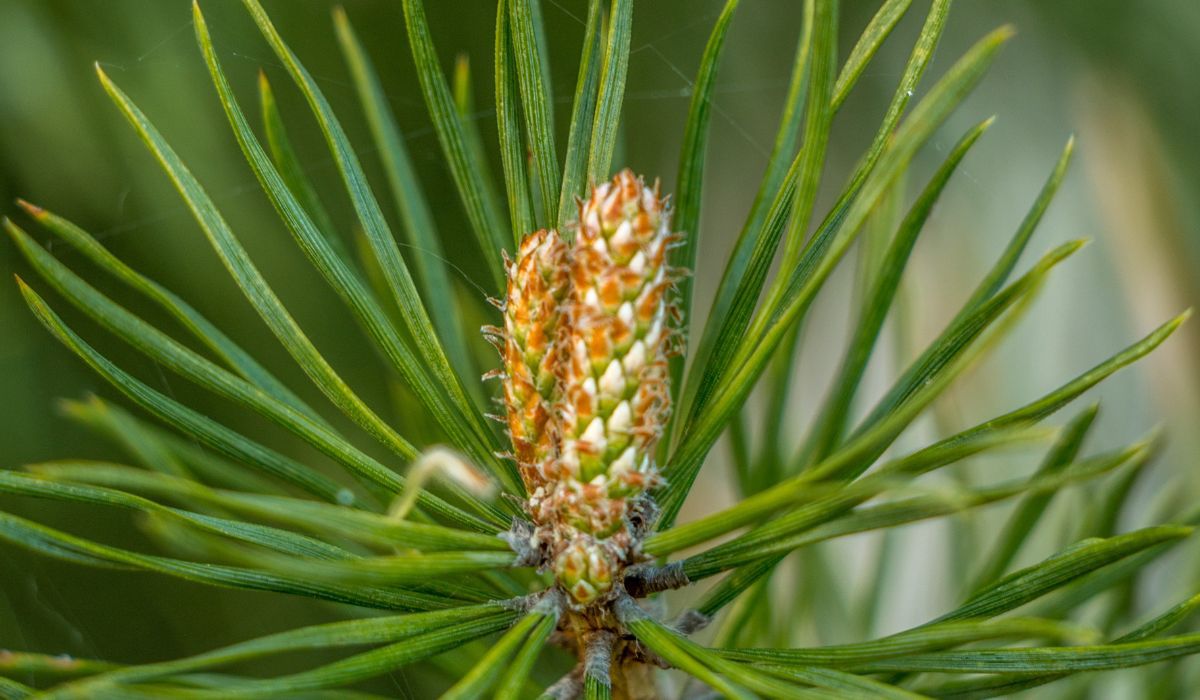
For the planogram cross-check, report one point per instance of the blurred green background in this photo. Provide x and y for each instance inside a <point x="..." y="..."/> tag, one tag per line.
<point x="1120" y="75"/>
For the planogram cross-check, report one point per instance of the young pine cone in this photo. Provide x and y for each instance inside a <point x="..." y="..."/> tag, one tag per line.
<point x="537" y="286"/>
<point x="615" y="396"/>
<point x="585" y="345"/>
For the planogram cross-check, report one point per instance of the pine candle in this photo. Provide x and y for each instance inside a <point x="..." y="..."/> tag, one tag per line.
<point x="585" y="347"/>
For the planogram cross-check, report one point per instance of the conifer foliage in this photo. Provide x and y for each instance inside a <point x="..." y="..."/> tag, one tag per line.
<point x="538" y="560"/>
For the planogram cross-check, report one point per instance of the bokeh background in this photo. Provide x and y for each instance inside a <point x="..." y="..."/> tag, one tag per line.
<point x="1119" y="75"/>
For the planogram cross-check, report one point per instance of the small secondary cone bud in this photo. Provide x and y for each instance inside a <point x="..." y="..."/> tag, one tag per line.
<point x="585" y="569"/>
